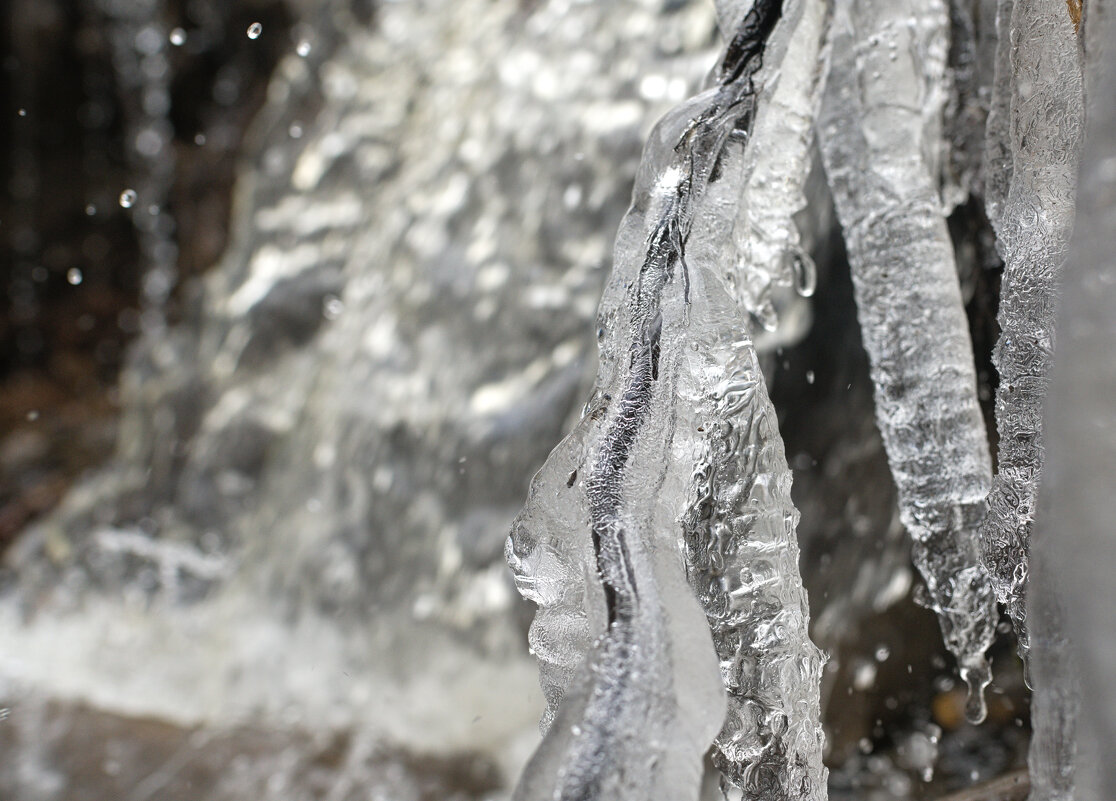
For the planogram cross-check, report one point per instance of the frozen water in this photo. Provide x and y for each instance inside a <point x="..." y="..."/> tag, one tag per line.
<point x="1038" y="125"/>
<point x="881" y="140"/>
<point x="1072" y="556"/>
<point x="678" y="442"/>
<point x="774" y="267"/>
<point x="1043" y="129"/>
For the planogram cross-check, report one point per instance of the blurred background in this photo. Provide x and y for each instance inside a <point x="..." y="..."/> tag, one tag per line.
<point x="296" y="296"/>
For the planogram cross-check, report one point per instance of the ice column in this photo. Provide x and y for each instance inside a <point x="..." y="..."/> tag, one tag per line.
<point x="678" y="454"/>
<point x="1043" y="126"/>
<point x="1075" y="543"/>
<point x="880" y="132"/>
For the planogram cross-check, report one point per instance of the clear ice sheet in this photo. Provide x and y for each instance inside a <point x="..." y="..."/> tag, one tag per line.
<point x="881" y="141"/>
<point x="1043" y="127"/>
<point x="678" y="448"/>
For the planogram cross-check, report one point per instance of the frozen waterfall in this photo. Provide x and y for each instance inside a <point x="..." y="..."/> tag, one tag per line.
<point x="831" y="523"/>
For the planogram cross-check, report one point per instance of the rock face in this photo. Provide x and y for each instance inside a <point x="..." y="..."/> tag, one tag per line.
<point x="317" y="469"/>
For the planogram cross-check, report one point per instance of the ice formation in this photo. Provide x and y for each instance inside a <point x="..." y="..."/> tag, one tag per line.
<point x="1034" y="137"/>
<point x="1073" y="550"/>
<point x="678" y="445"/>
<point x="774" y="267"/>
<point x="880" y="129"/>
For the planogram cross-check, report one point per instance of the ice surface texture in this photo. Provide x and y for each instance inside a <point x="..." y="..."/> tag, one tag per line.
<point x="880" y="131"/>
<point x="1034" y="138"/>
<point x="1034" y="141"/>
<point x="1074" y="551"/>
<point x="679" y="446"/>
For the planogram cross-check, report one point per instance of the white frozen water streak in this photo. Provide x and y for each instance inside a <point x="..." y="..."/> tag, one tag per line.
<point x="1033" y="225"/>
<point x="880" y="134"/>
<point x="679" y="445"/>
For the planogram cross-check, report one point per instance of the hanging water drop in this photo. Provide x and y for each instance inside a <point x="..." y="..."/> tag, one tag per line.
<point x="254" y="30"/>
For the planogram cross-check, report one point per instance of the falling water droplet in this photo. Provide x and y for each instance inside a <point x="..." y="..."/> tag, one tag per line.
<point x="74" y="276"/>
<point x="254" y="30"/>
<point x="977" y="678"/>
<point x="303" y="48"/>
<point x="805" y="274"/>
<point x="178" y="37"/>
<point x="128" y="198"/>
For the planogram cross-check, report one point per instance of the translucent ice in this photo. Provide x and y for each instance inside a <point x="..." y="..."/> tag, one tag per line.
<point x="1043" y="126"/>
<point x="678" y="446"/>
<point x="881" y="138"/>
<point x="1074" y="537"/>
<point x="773" y="265"/>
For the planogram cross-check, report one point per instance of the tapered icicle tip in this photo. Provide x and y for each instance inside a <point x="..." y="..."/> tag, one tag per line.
<point x="977" y="676"/>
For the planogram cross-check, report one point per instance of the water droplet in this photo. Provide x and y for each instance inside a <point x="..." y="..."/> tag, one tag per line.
<point x="809" y="376"/>
<point x="74" y="276"/>
<point x="254" y="30"/>
<point x="178" y="37"/>
<point x="882" y="653"/>
<point x="295" y="131"/>
<point x="805" y="274"/>
<point x="90" y="210"/>
<point x="977" y="678"/>
<point x="128" y="198"/>
<point x="199" y="139"/>
<point x="22" y="112"/>
<point x="333" y="307"/>
<point x="32" y="415"/>
<point x="303" y="48"/>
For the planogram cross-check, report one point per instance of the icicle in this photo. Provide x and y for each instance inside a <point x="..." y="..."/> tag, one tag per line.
<point x="1032" y="225"/>
<point x="774" y="268"/>
<point x="880" y="134"/>
<point x="679" y="444"/>
<point x="1075" y="547"/>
